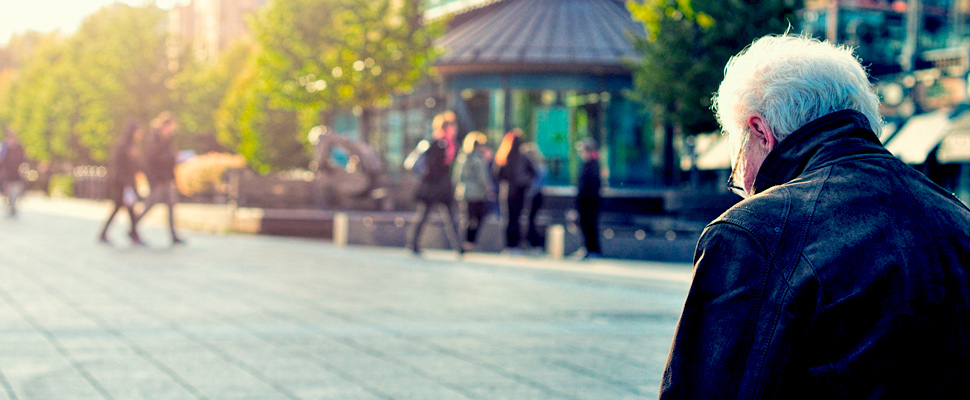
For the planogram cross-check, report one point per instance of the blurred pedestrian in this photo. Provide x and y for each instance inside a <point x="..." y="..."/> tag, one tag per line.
<point x="12" y="183"/>
<point x="432" y="165"/>
<point x="515" y="174"/>
<point x="473" y="185"/>
<point x="534" y="194"/>
<point x="160" y="169"/>
<point x="588" y="197"/>
<point x="844" y="273"/>
<point x="121" y="179"/>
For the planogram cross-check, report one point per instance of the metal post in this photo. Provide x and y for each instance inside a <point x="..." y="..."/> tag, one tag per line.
<point x="341" y="228"/>
<point x="556" y="241"/>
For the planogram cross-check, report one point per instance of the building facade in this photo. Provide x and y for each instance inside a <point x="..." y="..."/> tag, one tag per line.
<point x="207" y="27"/>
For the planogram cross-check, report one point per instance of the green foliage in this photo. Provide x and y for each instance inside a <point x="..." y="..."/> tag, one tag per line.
<point x="270" y="138"/>
<point x="73" y="95"/>
<point x="331" y="54"/>
<point x="199" y="89"/>
<point x="687" y="45"/>
<point x="62" y="185"/>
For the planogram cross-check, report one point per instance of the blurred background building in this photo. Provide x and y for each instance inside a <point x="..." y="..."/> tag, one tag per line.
<point x="558" y="70"/>
<point x="208" y="26"/>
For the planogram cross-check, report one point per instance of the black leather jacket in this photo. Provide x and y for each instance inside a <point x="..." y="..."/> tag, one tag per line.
<point x="844" y="277"/>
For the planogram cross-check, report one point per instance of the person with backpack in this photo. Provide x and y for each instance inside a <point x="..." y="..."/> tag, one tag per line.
<point x="432" y="163"/>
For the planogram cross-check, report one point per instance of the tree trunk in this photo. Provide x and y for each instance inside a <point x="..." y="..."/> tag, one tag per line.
<point x="670" y="164"/>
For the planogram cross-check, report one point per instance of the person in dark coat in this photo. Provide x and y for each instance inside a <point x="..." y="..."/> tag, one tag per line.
<point x="435" y="187"/>
<point x="515" y="174"/>
<point x="588" y="197"/>
<point x="845" y="273"/>
<point x="12" y="183"/>
<point x="121" y="179"/>
<point x="160" y="169"/>
<point x="534" y="236"/>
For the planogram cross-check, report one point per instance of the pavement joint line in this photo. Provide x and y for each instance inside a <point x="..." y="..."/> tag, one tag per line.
<point x="316" y="359"/>
<point x="603" y="378"/>
<point x="494" y="368"/>
<point x="208" y="346"/>
<point x="455" y="354"/>
<point x="117" y="334"/>
<point x="241" y="294"/>
<point x="461" y="356"/>
<point x="278" y="314"/>
<point x="57" y="345"/>
<point x="6" y="386"/>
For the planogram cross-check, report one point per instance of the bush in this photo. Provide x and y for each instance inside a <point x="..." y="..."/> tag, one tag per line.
<point x="203" y="174"/>
<point x="62" y="185"/>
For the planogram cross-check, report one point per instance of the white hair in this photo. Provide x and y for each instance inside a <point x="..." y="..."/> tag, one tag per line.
<point x="790" y="81"/>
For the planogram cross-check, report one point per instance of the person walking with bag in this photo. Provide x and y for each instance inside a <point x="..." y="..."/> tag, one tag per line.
<point x="160" y="169"/>
<point x="121" y="179"/>
<point x="473" y="185"/>
<point x="433" y="167"/>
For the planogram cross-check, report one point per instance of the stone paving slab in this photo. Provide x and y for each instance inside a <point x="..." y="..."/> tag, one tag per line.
<point x="249" y="317"/>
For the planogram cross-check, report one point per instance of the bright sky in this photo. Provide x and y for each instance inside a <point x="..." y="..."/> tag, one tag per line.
<point x="17" y="16"/>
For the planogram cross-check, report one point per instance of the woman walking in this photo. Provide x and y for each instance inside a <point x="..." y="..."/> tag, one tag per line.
<point x="121" y="179"/>
<point x="435" y="174"/>
<point x="516" y="172"/>
<point x="160" y="169"/>
<point x="473" y="183"/>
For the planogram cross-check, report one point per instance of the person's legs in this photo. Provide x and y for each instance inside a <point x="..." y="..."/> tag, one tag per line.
<point x="170" y="199"/>
<point x="513" y="230"/>
<point x="104" y="231"/>
<point x="589" y="224"/>
<point x="154" y="192"/>
<point x="16" y="189"/>
<point x="416" y="225"/>
<point x="451" y="226"/>
<point x="133" y="233"/>
<point x="476" y="213"/>
<point x="533" y="235"/>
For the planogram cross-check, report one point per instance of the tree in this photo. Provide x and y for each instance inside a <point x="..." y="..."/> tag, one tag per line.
<point x="270" y="138"/>
<point x="199" y="90"/>
<point x="687" y="44"/>
<point x="73" y="95"/>
<point x="341" y="54"/>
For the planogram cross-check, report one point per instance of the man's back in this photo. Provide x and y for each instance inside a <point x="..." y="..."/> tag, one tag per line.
<point x="846" y="277"/>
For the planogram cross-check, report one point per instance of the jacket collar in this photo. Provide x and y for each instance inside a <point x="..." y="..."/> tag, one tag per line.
<point x="817" y="144"/>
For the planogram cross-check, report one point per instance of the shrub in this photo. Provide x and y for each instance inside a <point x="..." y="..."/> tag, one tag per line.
<point x="203" y="174"/>
<point x="62" y="185"/>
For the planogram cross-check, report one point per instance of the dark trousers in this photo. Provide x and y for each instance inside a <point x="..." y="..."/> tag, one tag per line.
<point x="515" y="202"/>
<point x="131" y="214"/>
<point x="421" y="216"/>
<point x="165" y="193"/>
<point x="475" y="212"/>
<point x="589" y="225"/>
<point x="534" y="236"/>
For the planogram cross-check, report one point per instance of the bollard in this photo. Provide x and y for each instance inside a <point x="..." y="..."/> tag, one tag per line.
<point x="341" y="227"/>
<point x="556" y="241"/>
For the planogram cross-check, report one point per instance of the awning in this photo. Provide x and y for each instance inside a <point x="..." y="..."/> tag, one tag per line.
<point x="955" y="147"/>
<point x="919" y="135"/>
<point x="516" y="36"/>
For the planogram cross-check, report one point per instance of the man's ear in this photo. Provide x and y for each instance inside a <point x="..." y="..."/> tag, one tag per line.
<point x="761" y="133"/>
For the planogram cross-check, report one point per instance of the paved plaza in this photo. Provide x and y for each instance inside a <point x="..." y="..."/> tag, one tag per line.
<point x="255" y="317"/>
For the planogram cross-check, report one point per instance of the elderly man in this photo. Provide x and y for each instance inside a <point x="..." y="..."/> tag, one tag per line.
<point x="844" y="274"/>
